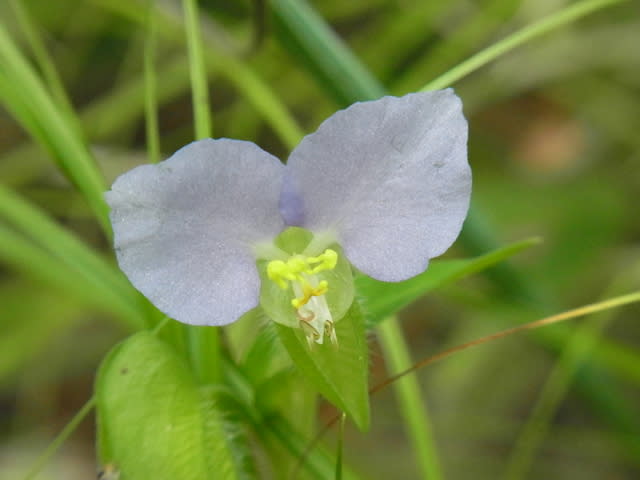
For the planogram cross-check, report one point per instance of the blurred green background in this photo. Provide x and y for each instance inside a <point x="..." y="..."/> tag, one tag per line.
<point x="554" y="148"/>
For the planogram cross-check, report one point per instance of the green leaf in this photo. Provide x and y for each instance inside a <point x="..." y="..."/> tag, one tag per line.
<point x="155" y="422"/>
<point x="337" y="372"/>
<point x="25" y="96"/>
<point x="306" y="35"/>
<point x="381" y="299"/>
<point x="31" y="318"/>
<point x="56" y="256"/>
<point x="221" y="61"/>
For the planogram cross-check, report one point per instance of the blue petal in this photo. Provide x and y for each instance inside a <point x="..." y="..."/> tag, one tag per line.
<point x="389" y="179"/>
<point x="184" y="228"/>
<point x="291" y="206"/>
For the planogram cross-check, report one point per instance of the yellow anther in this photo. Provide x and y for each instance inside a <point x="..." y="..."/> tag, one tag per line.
<point x="296" y="265"/>
<point x="278" y="271"/>
<point x="300" y="270"/>
<point x="327" y="261"/>
<point x="321" y="289"/>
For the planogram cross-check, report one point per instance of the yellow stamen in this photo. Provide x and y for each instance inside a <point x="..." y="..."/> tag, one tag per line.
<point x="327" y="261"/>
<point x="297" y="266"/>
<point x="308" y="291"/>
<point x="301" y="272"/>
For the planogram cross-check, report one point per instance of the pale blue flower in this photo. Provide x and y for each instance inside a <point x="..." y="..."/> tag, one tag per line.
<point x="387" y="180"/>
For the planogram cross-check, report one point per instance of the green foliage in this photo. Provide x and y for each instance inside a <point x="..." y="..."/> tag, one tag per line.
<point x="147" y="396"/>
<point x="23" y="93"/>
<point x="341" y="373"/>
<point x="54" y="255"/>
<point x="381" y="299"/>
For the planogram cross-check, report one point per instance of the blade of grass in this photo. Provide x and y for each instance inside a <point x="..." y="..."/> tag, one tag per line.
<point x="18" y="251"/>
<point x="412" y="406"/>
<point x="150" y="88"/>
<point x="223" y="62"/>
<point x="334" y="63"/>
<point x="581" y="344"/>
<point x="409" y="28"/>
<point x="382" y="299"/>
<point x="65" y="247"/>
<point x="47" y="122"/>
<point x="60" y="439"/>
<point x="563" y="17"/>
<point x="47" y="67"/>
<point x="456" y="44"/>
<point x="200" y="92"/>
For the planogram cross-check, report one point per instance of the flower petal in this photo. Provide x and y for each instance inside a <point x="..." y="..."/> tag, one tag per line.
<point x="389" y="178"/>
<point x="184" y="228"/>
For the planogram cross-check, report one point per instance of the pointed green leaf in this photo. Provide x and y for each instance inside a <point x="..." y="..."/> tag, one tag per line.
<point x="381" y="299"/>
<point x="155" y="422"/>
<point x="337" y="372"/>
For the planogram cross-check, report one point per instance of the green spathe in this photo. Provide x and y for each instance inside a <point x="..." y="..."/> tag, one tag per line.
<point x="155" y="421"/>
<point x="340" y="373"/>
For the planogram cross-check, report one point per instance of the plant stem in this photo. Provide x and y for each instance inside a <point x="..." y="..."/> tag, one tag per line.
<point x="412" y="406"/>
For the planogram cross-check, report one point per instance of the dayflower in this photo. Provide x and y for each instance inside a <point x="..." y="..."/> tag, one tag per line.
<point x="384" y="183"/>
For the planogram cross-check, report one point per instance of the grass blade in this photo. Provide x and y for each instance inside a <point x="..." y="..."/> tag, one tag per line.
<point x="332" y="61"/>
<point x="480" y="59"/>
<point x="200" y="92"/>
<point x="47" y="123"/>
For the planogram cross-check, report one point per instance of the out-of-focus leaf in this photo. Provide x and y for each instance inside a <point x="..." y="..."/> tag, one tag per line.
<point x="266" y="357"/>
<point x="24" y="95"/>
<point x="250" y="85"/>
<point x="381" y="299"/>
<point x="155" y="422"/>
<point x="337" y="372"/>
<point x="305" y="34"/>
<point x="54" y="247"/>
<point x="317" y="463"/>
<point x="29" y="319"/>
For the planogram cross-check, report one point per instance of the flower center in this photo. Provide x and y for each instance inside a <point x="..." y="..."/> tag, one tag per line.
<point x="310" y="303"/>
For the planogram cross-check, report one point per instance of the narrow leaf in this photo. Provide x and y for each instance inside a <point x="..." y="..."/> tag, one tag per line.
<point x="381" y="299"/>
<point x="46" y="121"/>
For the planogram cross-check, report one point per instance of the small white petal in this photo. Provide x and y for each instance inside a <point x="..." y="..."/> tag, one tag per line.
<point x="390" y="178"/>
<point x="184" y="228"/>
